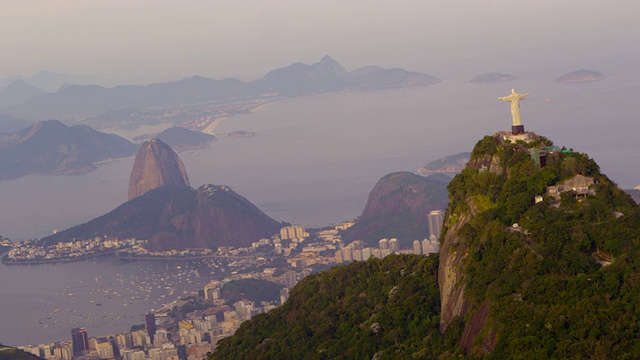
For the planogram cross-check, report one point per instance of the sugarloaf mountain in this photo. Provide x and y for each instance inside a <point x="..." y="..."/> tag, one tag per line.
<point x="166" y="211"/>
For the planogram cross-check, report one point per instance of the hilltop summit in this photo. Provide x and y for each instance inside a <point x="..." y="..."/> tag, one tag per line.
<point x="156" y="165"/>
<point x="528" y="229"/>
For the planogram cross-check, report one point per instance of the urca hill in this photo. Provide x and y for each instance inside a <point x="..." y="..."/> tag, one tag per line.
<point x="398" y="206"/>
<point x="166" y="211"/>
<point x="538" y="259"/>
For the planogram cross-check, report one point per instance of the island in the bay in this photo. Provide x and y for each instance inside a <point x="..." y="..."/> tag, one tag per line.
<point x="580" y="76"/>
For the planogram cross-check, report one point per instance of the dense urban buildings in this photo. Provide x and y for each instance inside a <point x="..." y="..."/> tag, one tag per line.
<point x="178" y="326"/>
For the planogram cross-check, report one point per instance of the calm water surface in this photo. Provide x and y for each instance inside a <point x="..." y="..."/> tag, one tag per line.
<point x="42" y="303"/>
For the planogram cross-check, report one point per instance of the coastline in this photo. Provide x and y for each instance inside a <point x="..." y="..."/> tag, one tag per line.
<point x="124" y="257"/>
<point x="54" y="261"/>
<point x="210" y="129"/>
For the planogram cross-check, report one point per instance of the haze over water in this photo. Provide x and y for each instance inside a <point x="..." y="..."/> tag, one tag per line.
<point x="313" y="162"/>
<point x="317" y="157"/>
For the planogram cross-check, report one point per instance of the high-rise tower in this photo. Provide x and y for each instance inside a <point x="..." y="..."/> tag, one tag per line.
<point x="435" y="223"/>
<point x="150" y="319"/>
<point x="80" y="340"/>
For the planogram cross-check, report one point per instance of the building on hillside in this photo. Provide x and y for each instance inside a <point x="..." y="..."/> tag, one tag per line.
<point x="290" y="279"/>
<point x="345" y="225"/>
<point x="102" y="347"/>
<point x="338" y="258"/>
<point x="416" y="247"/>
<point x="366" y="253"/>
<point x="347" y="253"/>
<point x="435" y="223"/>
<point x="212" y="291"/>
<point x="430" y="246"/>
<point x="393" y="245"/>
<point x="293" y="232"/>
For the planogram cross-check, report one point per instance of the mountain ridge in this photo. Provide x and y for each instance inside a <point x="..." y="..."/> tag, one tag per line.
<point x="50" y="147"/>
<point x="80" y="101"/>
<point x="18" y="92"/>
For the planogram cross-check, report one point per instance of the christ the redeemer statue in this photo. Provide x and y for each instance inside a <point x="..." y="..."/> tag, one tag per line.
<point x="514" y="99"/>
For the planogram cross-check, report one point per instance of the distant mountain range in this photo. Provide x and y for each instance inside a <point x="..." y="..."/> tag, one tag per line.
<point x="397" y="208"/>
<point x="81" y="101"/>
<point x="18" y="92"/>
<point x="50" y="147"/>
<point x="50" y="81"/>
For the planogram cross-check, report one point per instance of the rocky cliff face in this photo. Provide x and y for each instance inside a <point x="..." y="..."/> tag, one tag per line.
<point x="453" y="251"/>
<point x="398" y="206"/>
<point x="156" y="165"/>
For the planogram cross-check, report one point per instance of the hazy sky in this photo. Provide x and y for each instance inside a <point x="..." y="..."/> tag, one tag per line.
<point x="175" y="38"/>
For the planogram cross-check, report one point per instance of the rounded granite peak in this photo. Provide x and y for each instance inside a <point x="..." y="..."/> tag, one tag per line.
<point x="156" y="165"/>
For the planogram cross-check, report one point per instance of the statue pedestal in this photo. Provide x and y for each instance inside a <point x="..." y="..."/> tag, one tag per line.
<point x="517" y="129"/>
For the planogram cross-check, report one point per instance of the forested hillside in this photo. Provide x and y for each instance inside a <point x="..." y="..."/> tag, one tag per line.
<point x="539" y="289"/>
<point x="387" y="308"/>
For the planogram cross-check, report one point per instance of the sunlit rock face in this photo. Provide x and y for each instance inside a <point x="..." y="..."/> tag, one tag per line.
<point x="156" y="165"/>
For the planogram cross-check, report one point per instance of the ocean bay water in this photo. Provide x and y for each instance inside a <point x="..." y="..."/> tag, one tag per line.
<point x="316" y="158"/>
<point x="42" y="303"/>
